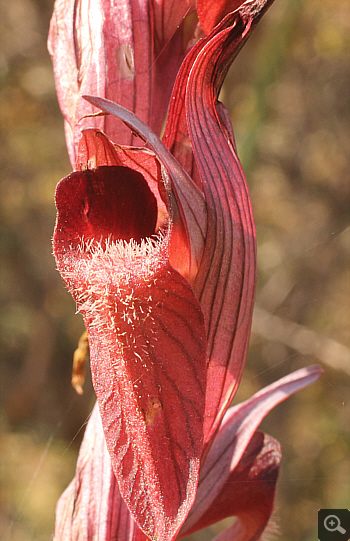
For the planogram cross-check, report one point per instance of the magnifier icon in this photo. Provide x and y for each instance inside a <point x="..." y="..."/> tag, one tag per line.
<point x="332" y="524"/>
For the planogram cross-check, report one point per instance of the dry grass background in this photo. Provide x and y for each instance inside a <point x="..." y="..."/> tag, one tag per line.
<point x="288" y="94"/>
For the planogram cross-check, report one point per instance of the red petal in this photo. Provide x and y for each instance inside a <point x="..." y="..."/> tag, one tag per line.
<point x="147" y="347"/>
<point x="119" y="51"/>
<point x="92" y="508"/>
<point x="237" y="429"/>
<point x="248" y="492"/>
<point x="225" y="282"/>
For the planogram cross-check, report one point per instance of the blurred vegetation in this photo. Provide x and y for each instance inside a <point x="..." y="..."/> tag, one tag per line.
<point x="288" y="94"/>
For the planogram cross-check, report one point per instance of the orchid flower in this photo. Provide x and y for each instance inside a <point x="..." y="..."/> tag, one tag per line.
<point x="157" y="246"/>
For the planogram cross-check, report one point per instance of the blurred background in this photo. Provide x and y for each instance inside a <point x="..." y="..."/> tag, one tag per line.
<point x="288" y="95"/>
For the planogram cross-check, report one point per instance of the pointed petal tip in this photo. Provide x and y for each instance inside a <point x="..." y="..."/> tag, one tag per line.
<point x="310" y="373"/>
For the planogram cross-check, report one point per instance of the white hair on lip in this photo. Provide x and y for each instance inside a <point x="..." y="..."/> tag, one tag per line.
<point x="123" y="249"/>
<point x="108" y="276"/>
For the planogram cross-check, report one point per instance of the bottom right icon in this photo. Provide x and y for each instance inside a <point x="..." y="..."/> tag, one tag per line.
<point x="334" y="525"/>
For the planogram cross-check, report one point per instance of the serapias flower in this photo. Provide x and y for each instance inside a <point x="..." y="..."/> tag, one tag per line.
<point x="157" y="246"/>
<point x="146" y="335"/>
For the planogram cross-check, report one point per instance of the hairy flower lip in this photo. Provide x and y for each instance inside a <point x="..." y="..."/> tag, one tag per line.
<point x="141" y="315"/>
<point x="113" y="270"/>
<point x="117" y="265"/>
